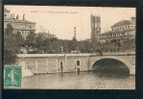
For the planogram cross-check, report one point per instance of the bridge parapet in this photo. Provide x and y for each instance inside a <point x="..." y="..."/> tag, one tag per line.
<point x="51" y="63"/>
<point x="79" y="54"/>
<point x="118" y="53"/>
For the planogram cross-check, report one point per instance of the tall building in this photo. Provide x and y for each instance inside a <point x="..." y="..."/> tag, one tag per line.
<point x="22" y="26"/>
<point x="95" y="27"/>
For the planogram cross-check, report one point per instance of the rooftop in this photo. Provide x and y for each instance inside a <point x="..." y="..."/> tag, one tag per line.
<point x="13" y="18"/>
<point x="123" y="22"/>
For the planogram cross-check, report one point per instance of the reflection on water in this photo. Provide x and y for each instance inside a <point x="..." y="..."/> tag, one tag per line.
<point x="112" y="74"/>
<point x="84" y="80"/>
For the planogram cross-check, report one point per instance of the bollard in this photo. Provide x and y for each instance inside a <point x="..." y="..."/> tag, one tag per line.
<point x="61" y="69"/>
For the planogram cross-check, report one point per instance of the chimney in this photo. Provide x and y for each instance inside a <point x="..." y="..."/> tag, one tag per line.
<point x="17" y="17"/>
<point x="13" y="16"/>
<point x="23" y="17"/>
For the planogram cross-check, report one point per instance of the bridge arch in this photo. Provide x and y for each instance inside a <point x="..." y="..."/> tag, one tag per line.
<point x="110" y="67"/>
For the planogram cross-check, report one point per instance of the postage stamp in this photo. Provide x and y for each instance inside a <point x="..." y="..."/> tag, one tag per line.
<point x="12" y="76"/>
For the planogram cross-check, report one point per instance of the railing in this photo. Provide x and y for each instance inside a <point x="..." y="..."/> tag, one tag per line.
<point x="118" y="53"/>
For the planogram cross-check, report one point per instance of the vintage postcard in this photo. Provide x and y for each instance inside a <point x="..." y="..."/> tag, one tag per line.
<point x="69" y="47"/>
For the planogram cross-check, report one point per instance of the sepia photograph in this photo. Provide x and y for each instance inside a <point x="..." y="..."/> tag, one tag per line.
<point x="69" y="47"/>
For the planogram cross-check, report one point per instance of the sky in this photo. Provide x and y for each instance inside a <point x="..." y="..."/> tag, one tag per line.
<point x="61" y="20"/>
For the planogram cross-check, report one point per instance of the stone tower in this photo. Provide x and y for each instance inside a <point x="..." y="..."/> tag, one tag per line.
<point x="74" y="45"/>
<point x="95" y="27"/>
<point x="74" y="37"/>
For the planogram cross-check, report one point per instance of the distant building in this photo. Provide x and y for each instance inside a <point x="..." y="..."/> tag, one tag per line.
<point x="21" y="26"/>
<point x="95" y="27"/>
<point x="122" y="30"/>
<point x="47" y="35"/>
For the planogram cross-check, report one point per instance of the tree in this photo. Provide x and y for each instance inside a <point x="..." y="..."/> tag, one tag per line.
<point x="20" y="39"/>
<point x="10" y="45"/>
<point x="30" y="42"/>
<point x="40" y="41"/>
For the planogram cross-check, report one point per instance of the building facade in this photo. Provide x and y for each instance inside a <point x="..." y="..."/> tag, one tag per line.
<point x="22" y="26"/>
<point x="121" y="37"/>
<point x="122" y="30"/>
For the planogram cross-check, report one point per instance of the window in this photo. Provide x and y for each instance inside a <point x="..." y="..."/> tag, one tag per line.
<point x="61" y="64"/>
<point x="78" y="63"/>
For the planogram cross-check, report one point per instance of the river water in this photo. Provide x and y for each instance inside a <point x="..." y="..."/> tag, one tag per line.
<point x="84" y="80"/>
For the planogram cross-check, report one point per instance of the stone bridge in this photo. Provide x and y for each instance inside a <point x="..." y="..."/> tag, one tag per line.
<point x="54" y="63"/>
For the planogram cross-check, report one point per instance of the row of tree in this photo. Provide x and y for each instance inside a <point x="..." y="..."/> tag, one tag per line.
<point x="15" y="43"/>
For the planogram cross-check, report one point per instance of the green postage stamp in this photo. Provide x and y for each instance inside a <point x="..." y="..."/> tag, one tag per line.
<point x="12" y="76"/>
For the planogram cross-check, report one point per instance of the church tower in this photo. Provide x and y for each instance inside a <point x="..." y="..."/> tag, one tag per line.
<point x="95" y="27"/>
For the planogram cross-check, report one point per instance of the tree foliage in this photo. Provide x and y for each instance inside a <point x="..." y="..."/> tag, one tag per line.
<point x="10" y="46"/>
